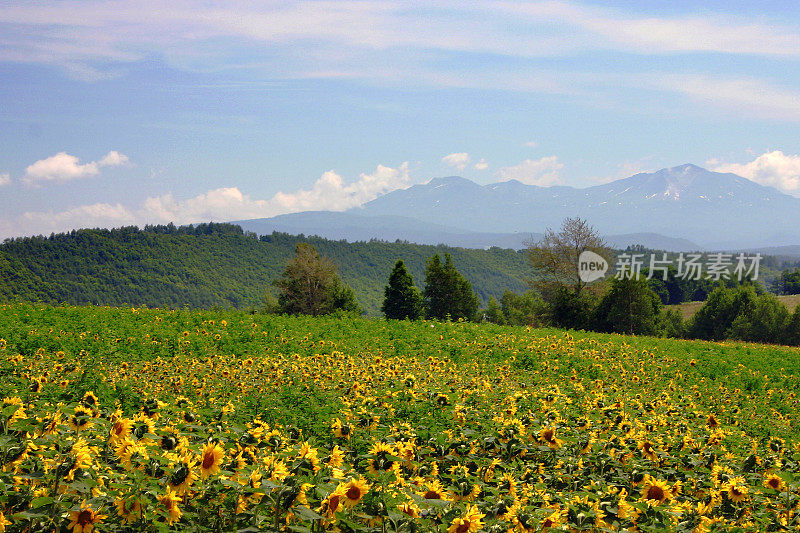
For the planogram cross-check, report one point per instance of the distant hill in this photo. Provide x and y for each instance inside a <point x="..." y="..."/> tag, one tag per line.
<point x="353" y="226"/>
<point x="216" y="265"/>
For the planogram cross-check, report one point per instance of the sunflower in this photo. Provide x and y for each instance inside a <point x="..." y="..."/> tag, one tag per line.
<point x="3" y="521"/>
<point x="90" y="400"/>
<point x="170" y="501"/>
<point x="735" y="489"/>
<point x="354" y="490"/>
<point x="81" y="419"/>
<point x="120" y="430"/>
<point x="276" y="469"/>
<point x="129" y="510"/>
<point x="655" y="491"/>
<point x="469" y="523"/>
<point x="552" y="520"/>
<point x="775" y="483"/>
<point x="409" y="509"/>
<point x="712" y="422"/>
<point x="341" y="431"/>
<point x="84" y="519"/>
<point x="383" y="461"/>
<point x="183" y="476"/>
<point x="548" y="436"/>
<point x="435" y="491"/>
<point x="132" y="455"/>
<point x="336" y="458"/>
<point x="332" y="504"/>
<point x="210" y="460"/>
<point x="648" y="450"/>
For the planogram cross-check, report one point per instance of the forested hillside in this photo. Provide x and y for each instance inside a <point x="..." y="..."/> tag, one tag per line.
<point x="215" y="265"/>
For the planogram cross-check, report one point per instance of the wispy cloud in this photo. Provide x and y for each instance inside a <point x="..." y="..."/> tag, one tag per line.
<point x="743" y="96"/>
<point x="5" y="179"/>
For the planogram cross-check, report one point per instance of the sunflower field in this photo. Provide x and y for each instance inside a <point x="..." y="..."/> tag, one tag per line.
<point x="120" y="419"/>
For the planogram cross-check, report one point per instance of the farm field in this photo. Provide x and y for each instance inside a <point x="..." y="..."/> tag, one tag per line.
<point x="688" y="309"/>
<point x="121" y="419"/>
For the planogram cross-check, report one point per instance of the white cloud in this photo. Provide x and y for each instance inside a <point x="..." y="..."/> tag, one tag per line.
<point x="531" y="144"/>
<point x="5" y="179"/>
<point x="64" y="167"/>
<point x="329" y="192"/>
<point x="481" y="165"/>
<point x="542" y="172"/>
<point x="85" y="216"/>
<point x="774" y="169"/>
<point x="113" y="159"/>
<point x="458" y="160"/>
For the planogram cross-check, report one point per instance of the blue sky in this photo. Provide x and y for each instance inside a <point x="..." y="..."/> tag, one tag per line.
<point x="116" y="113"/>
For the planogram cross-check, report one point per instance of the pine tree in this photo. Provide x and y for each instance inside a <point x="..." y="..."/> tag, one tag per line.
<point x="402" y="300"/>
<point x="447" y="294"/>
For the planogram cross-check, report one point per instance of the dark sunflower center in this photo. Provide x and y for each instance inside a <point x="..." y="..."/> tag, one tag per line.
<point x="84" y="517"/>
<point x="655" y="493"/>
<point x="208" y="460"/>
<point x="180" y="475"/>
<point x="353" y="493"/>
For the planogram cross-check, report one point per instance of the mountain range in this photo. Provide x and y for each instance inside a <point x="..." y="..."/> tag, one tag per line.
<point x="683" y="208"/>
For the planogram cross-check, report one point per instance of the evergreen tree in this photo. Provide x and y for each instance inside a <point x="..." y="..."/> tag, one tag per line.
<point x="447" y="294"/>
<point x="401" y="298"/>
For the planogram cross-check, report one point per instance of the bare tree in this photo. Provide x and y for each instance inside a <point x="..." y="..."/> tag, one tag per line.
<point x="554" y="259"/>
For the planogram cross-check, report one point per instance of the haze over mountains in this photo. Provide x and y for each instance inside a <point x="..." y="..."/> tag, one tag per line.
<point x="680" y="208"/>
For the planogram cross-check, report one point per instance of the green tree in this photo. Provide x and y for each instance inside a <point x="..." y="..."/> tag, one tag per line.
<point x="567" y="309"/>
<point x="713" y="321"/>
<point x="527" y="309"/>
<point x="402" y="299"/>
<point x="630" y="306"/>
<point x="766" y="321"/>
<point x="310" y="285"/>
<point x="791" y="332"/>
<point x="494" y="312"/>
<point x="789" y="282"/>
<point x="447" y="293"/>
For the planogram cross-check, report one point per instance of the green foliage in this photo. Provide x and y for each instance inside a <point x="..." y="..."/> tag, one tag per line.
<point x="672" y="324"/>
<point x="402" y="299"/>
<point x="447" y="294"/>
<point x="765" y="321"/>
<point x="215" y="265"/>
<point x="310" y="285"/>
<point x="526" y="309"/>
<point x="630" y="306"/>
<point x="714" y="319"/>
<point x="566" y="309"/>
<point x="791" y="333"/>
<point x="788" y="282"/>
<point x="675" y="289"/>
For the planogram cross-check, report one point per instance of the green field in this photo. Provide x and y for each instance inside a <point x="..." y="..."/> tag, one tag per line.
<point x="152" y="420"/>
